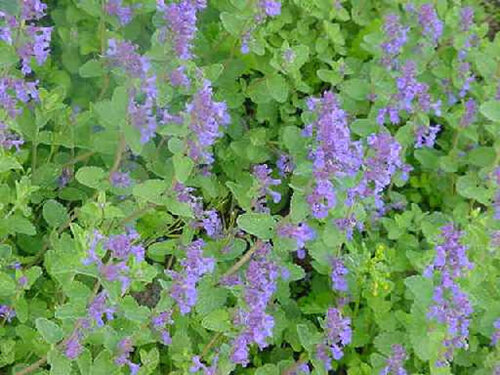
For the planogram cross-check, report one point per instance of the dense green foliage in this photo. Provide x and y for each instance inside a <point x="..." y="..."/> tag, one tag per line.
<point x="59" y="189"/>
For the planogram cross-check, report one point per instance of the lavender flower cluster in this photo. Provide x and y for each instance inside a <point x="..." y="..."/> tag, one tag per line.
<point x="194" y="266"/>
<point x="181" y="20"/>
<point x="206" y="117"/>
<point x="265" y="8"/>
<point x="334" y="154"/>
<point x="260" y="285"/>
<point x="451" y="305"/>
<point x="262" y="174"/>
<point x="122" y="250"/>
<point x="338" y="335"/>
<point x="301" y="233"/>
<point x="209" y="220"/>
<point x="395" y="363"/>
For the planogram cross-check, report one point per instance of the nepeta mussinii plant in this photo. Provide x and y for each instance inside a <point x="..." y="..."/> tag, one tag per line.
<point x="249" y="187"/>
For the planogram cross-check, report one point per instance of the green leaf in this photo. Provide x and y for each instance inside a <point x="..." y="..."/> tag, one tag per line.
<point x="93" y="177"/>
<point x="183" y="166"/>
<point x="217" y="320"/>
<point x="470" y="187"/>
<point x="421" y="289"/>
<point x="232" y="23"/>
<point x="364" y="127"/>
<point x="333" y="32"/>
<point x="309" y="337"/>
<point x="296" y="272"/>
<point x="278" y="87"/>
<point x="357" y="89"/>
<point x="10" y="6"/>
<point x="59" y="363"/>
<point x="17" y="224"/>
<point x="5" y="251"/>
<point x="92" y="68"/>
<point x="151" y="191"/>
<point x="150" y="359"/>
<point x="159" y="250"/>
<point x="112" y="113"/>
<point x="258" y="224"/>
<point x="7" y="285"/>
<point x="267" y="369"/>
<point x="481" y="156"/>
<point x="54" y="213"/>
<point x="49" y="330"/>
<point x="491" y="110"/>
<point x="330" y="76"/>
<point x="210" y="298"/>
<point x="103" y="364"/>
<point x="8" y="162"/>
<point x="133" y="311"/>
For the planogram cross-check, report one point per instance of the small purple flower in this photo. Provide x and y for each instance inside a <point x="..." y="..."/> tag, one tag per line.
<point x="395" y="38"/>
<point x="125" y="347"/>
<point x="194" y="266"/>
<point x="32" y="10"/>
<point x="429" y="21"/>
<point x="206" y="116"/>
<point x="469" y="113"/>
<point x="120" y="179"/>
<point x="160" y="322"/>
<point x="301" y="233"/>
<point x="466" y="18"/>
<point x="116" y="8"/>
<point x="7" y="313"/>
<point x="9" y="139"/>
<point x="22" y="281"/>
<point x="285" y="165"/>
<point x="339" y="272"/>
<point x="260" y="285"/>
<point x="302" y="369"/>
<point x="263" y="175"/>
<point x="395" y="363"/>
<point x="338" y="335"/>
<point x="73" y="347"/>
<point x="100" y="307"/>
<point x="451" y="306"/>
<point x="198" y="365"/>
<point x="122" y="246"/>
<point x="123" y="54"/>
<point x="37" y="47"/>
<point x="181" y="24"/>
<point x="271" y="8"/>
<point x="178" y="77"/>
<point x="495" y="338"/>
<point x="426" y="136"/>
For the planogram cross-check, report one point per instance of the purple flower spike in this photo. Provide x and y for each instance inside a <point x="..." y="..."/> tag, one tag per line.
<point x="120" y="179"/>
<point x="429" y="21"/>
<point x="426" y="137"/>
<point x="339" y="271"/>
<point x="116" y="8"/>
<point x="100" y="307"/>
<point x="451" y="306"/>
<point x="263" y="175"/>
<point x="495" y="338"/>
<point x="261" y="278"/>
<point x="395" y="363"/>
<point x="395" y="39"/>
<point x="338" y="335"/>
<point x="7" y="313"/>
<point x="301" y="233"/>
<point x="181" y="24"/>
<point x="184" y="283"/>
<point x="206" y="118"/>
